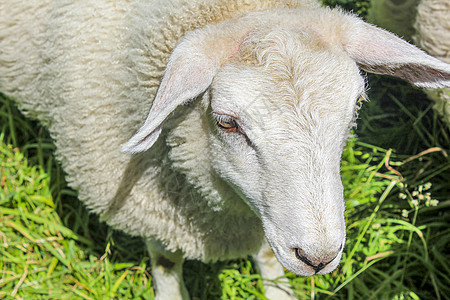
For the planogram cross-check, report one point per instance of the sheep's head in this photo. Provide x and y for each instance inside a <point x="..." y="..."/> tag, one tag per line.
<point x="282" y="112"/>
<point x="281" y="95"/>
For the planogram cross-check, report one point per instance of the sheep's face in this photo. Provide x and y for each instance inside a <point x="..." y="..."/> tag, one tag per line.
<point x="280" y="122"/>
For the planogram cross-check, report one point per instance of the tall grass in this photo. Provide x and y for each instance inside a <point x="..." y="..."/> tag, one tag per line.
<point x="395" y="171"/>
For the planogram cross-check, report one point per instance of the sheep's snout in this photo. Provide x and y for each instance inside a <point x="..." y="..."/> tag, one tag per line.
<point x="317" y="264"/>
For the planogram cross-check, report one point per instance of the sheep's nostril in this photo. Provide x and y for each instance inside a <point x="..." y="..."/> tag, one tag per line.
<point x="315" y="264"/>
<point x="301" y="255"/>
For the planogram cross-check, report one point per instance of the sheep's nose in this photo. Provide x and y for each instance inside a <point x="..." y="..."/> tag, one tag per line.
<point x="314" y="263"/>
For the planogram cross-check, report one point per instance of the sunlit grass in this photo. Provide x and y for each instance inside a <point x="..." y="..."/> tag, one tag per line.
<point x="40" y="256"/>
<point x="396" y="235"/>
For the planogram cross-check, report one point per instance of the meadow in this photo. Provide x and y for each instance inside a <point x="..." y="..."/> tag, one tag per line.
<point x="395" y="170"/>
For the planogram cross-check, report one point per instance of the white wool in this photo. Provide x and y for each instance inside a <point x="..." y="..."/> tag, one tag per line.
<point x="433" y="35"/>
<point x="427" y="23"/>
<point x="90" y="72"/>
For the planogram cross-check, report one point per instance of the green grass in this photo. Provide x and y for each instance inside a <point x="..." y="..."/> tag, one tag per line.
<point x="396" y="175"/>
<point x="51" y="247"/>
<point x="40" y="256"/>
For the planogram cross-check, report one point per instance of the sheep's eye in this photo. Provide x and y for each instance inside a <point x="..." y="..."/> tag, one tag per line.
<point x="227" y="124"/>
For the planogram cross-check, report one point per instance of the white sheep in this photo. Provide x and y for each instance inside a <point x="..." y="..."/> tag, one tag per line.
<point x="397" y="16"/>
<point x="427" y="23"/>
<point x="269" y="91"/>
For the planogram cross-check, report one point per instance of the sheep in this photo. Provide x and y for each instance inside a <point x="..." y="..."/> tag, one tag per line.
<point x="427" y="23"/>
<point x="250" y="104"/>
<point x="395" y="16"/>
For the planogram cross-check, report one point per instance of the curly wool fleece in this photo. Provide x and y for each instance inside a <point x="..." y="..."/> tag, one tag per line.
<point x="89" y="71"/>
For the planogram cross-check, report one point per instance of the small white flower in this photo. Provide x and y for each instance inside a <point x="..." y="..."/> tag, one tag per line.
<point x="434" y="202"/>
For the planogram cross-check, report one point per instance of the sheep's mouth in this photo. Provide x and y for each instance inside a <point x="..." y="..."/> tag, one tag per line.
<point x="318" y="262"/>
<point x="317" y="267"/>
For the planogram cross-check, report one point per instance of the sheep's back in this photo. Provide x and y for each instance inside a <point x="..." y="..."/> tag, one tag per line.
<point x="433" y="35"/>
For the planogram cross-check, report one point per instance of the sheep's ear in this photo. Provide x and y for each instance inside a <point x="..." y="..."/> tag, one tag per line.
<point x="189" y="73"/>
<point x="378" y="51"/>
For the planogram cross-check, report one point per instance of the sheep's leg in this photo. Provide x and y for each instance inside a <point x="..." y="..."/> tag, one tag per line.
<point x="167" y="272"/>
<point x="271" y="269"/>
